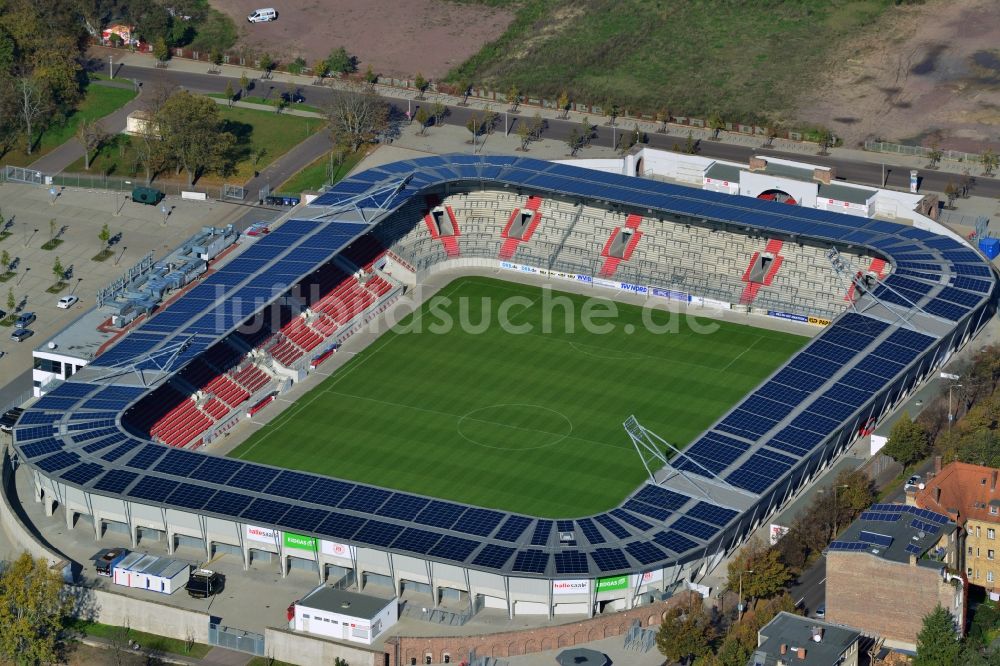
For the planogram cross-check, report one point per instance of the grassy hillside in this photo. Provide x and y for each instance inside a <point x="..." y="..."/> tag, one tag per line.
<point x="743" y="59"/>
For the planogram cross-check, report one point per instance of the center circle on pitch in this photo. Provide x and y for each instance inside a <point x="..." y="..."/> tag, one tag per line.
<point x="514" y="427"/>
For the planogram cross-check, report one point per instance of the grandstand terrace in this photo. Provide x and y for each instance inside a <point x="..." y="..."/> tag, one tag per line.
<point x="94" y="442"/>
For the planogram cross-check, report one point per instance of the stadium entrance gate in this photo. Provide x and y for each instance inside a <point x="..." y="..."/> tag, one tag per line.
<point x="232" y="638"/>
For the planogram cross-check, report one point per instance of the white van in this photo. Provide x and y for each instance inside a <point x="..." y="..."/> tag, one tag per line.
<point x="263" y="15"/>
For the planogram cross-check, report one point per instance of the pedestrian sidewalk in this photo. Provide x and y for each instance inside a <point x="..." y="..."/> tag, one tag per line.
<point x="648" y="127"/>
<point x="286" y="111"/>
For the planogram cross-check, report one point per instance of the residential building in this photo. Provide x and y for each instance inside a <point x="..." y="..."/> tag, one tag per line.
<point x="793" y="640"/>
<point x="890" y="568"/>
<point x="968" y="495"/>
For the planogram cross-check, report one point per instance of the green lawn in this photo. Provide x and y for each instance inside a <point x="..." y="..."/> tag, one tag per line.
<point x="98" y="102"/>
<point x="526" y="421"/>
<point x="274" y="133"/>
<point x="743" y="59"/>
<point x="149" y="642"/>
<point x="317" y="174"/>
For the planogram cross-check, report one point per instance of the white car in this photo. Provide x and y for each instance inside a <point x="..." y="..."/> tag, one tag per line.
<point x="263" y="15"/>
<point x="67" y="302"/>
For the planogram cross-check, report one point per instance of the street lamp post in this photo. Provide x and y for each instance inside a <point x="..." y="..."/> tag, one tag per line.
<point x="120" y="255"/>
<point x="739" y="605"/>
<point x="952" y="378"/>
<point x="53" y="192"/>
<point x="165" y="211"/>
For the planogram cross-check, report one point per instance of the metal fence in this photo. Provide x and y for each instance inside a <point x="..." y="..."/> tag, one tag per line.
<point x="125" y="185"/>
<point x="234" y="192"/>
<point x="236" y="639"/>
<point x="920" y="151"/>
<point x="23" y="175"/>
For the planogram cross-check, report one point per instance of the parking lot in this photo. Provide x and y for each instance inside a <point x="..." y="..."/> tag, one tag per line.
<point x="28" y="213"/>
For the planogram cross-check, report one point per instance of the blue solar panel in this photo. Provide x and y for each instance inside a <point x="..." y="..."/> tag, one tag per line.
<point x="710" y="513"/>
<point x="924" y="526"/>
<point x="115" y="481"/>
<point x="153" y="488"/>
<point x="631" y="519"/>
<point x="874" y="538"/>
<point x="416" y="541"/>
<point x="654" y="512"/>
<point x="540" y="537"/>
<point x="612" y="525"/>
<point x="493" y="556"/>
<point x="253" y="477"/>
<point x="327" y="492"/>
<point x="57" y="461"/>
<point x="266" y="511"/>
<point x="454" y="548"/>
<point x="695" y="528"/>
<point x="82" y="473"/>
<point x="402" y="506"/>
<point x="190" y="496"/>
<point x="608" y="559"/>
<point x="479" y="522"/>
<point x="146" y="456"/>
<point x="227" y="503"/>
<point x="914" y="549"/>
<point x="513" y="528"/>
<point x="377" y="533"/>
<point x="290" y="484"/>
<point x="590" y="531"/>
<point x="668" y="499"/>
<point x="847" y="546"/>
<point x="340" y="526"/>
<point x="645" y="552"/>
<point x="303" y="518"/>
<point x="216" y="470"/>
<point x="675" y="542"/>
<point x="44" y="447"/>
<point x="365" y="498"/>
<point x="440" y="514"/>
<point x="571" y="562"/>
<point x="531" y="561"/>
<point x="880" y="516"/>
<point x="179" y="463"/>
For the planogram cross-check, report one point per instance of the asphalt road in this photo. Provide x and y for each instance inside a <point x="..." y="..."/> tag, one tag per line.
<point x="869" y="173"/>
<point x="809" y="591"/>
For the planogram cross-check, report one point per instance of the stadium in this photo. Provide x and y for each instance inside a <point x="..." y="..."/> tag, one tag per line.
<point x="117" y="441"/>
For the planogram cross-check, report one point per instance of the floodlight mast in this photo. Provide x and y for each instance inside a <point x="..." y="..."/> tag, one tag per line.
<point x="169" y="352"/>
<point x="843" y="268"/>
<point x="652" y="450"/>
<point x="390" y="187"/>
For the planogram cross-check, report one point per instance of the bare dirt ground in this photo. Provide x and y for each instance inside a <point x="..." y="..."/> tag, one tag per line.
<point x="929" y="74"/>
<point x="396" y="37"/>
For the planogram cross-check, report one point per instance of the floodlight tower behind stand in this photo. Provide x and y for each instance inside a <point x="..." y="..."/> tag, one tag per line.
<point x="652" y="449"/>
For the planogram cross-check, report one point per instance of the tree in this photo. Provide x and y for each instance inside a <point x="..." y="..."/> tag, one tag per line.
<point x="825" y="139"/>
<point x="563" y="104"/>
<point x="59" y="271"/>
<point x="716" y="124"/>
<point x="32" y="608"/>
<point x="524" y="134"/>
<point x="320" y="69"/>
<point x="951" y="192"/>
<point x="215" y="55"/>
<point x="52" y="229"/>
<point x="759" y="569"/>
<point x="474" y="125"/>
<point x="244" y="84"/>
<point x="934" y="156"/>
<point x="423" y="119"/>
<point x="690" y="145"/>
<point x="421" y="84"/>
<point x="91" y="135"/>
<point x="908" y="441"/>
<point x="685" y="632"/>
<point x="772" y="131"/>
<point x="371" y="78"/>
<point x="31" y="106"/>
<point x="937" y="644"/>
<point x="989" y="161"/>
<point x="613" y="114"/>
<point x="192" y="134"/>
<point x="574" y="142"/>
<point x="514" y="98"/>
<point x="357" y="115"/>
<point x="266" y="64"/>
<point x="340" y="61"/>
<point x="5" y="260"/>
<point x="489" y="120"/>
<point x="160" y="50"/>
<point x="230" y="93"/>
<point x="662" y="116"/>
<point x="586" y="131"/>
<point x="438" y="112"/>
<point x="11" y="300"/>
<point x="104" y="236"/>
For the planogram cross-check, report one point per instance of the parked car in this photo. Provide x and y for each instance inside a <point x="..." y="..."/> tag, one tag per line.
<point x="24" y="320"/>
<point x="67" y="302"/>
<point x="263" y="15"/>
<point x="9" y="419"/>
<point x="21" y="334"/>
<point x="203" y="583"/>
<point x="258" y="229"/>
<point x="913" y="480"/>
<point x="820" y="612"/>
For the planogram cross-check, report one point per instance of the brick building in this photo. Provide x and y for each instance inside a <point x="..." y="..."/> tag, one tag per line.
<point x="793" y="640"/>
<point x="968" y="495"/>
<point x="891" y="568"/>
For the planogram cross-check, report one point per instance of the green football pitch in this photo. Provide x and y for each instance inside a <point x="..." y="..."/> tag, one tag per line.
<point x="524" y="416"/>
